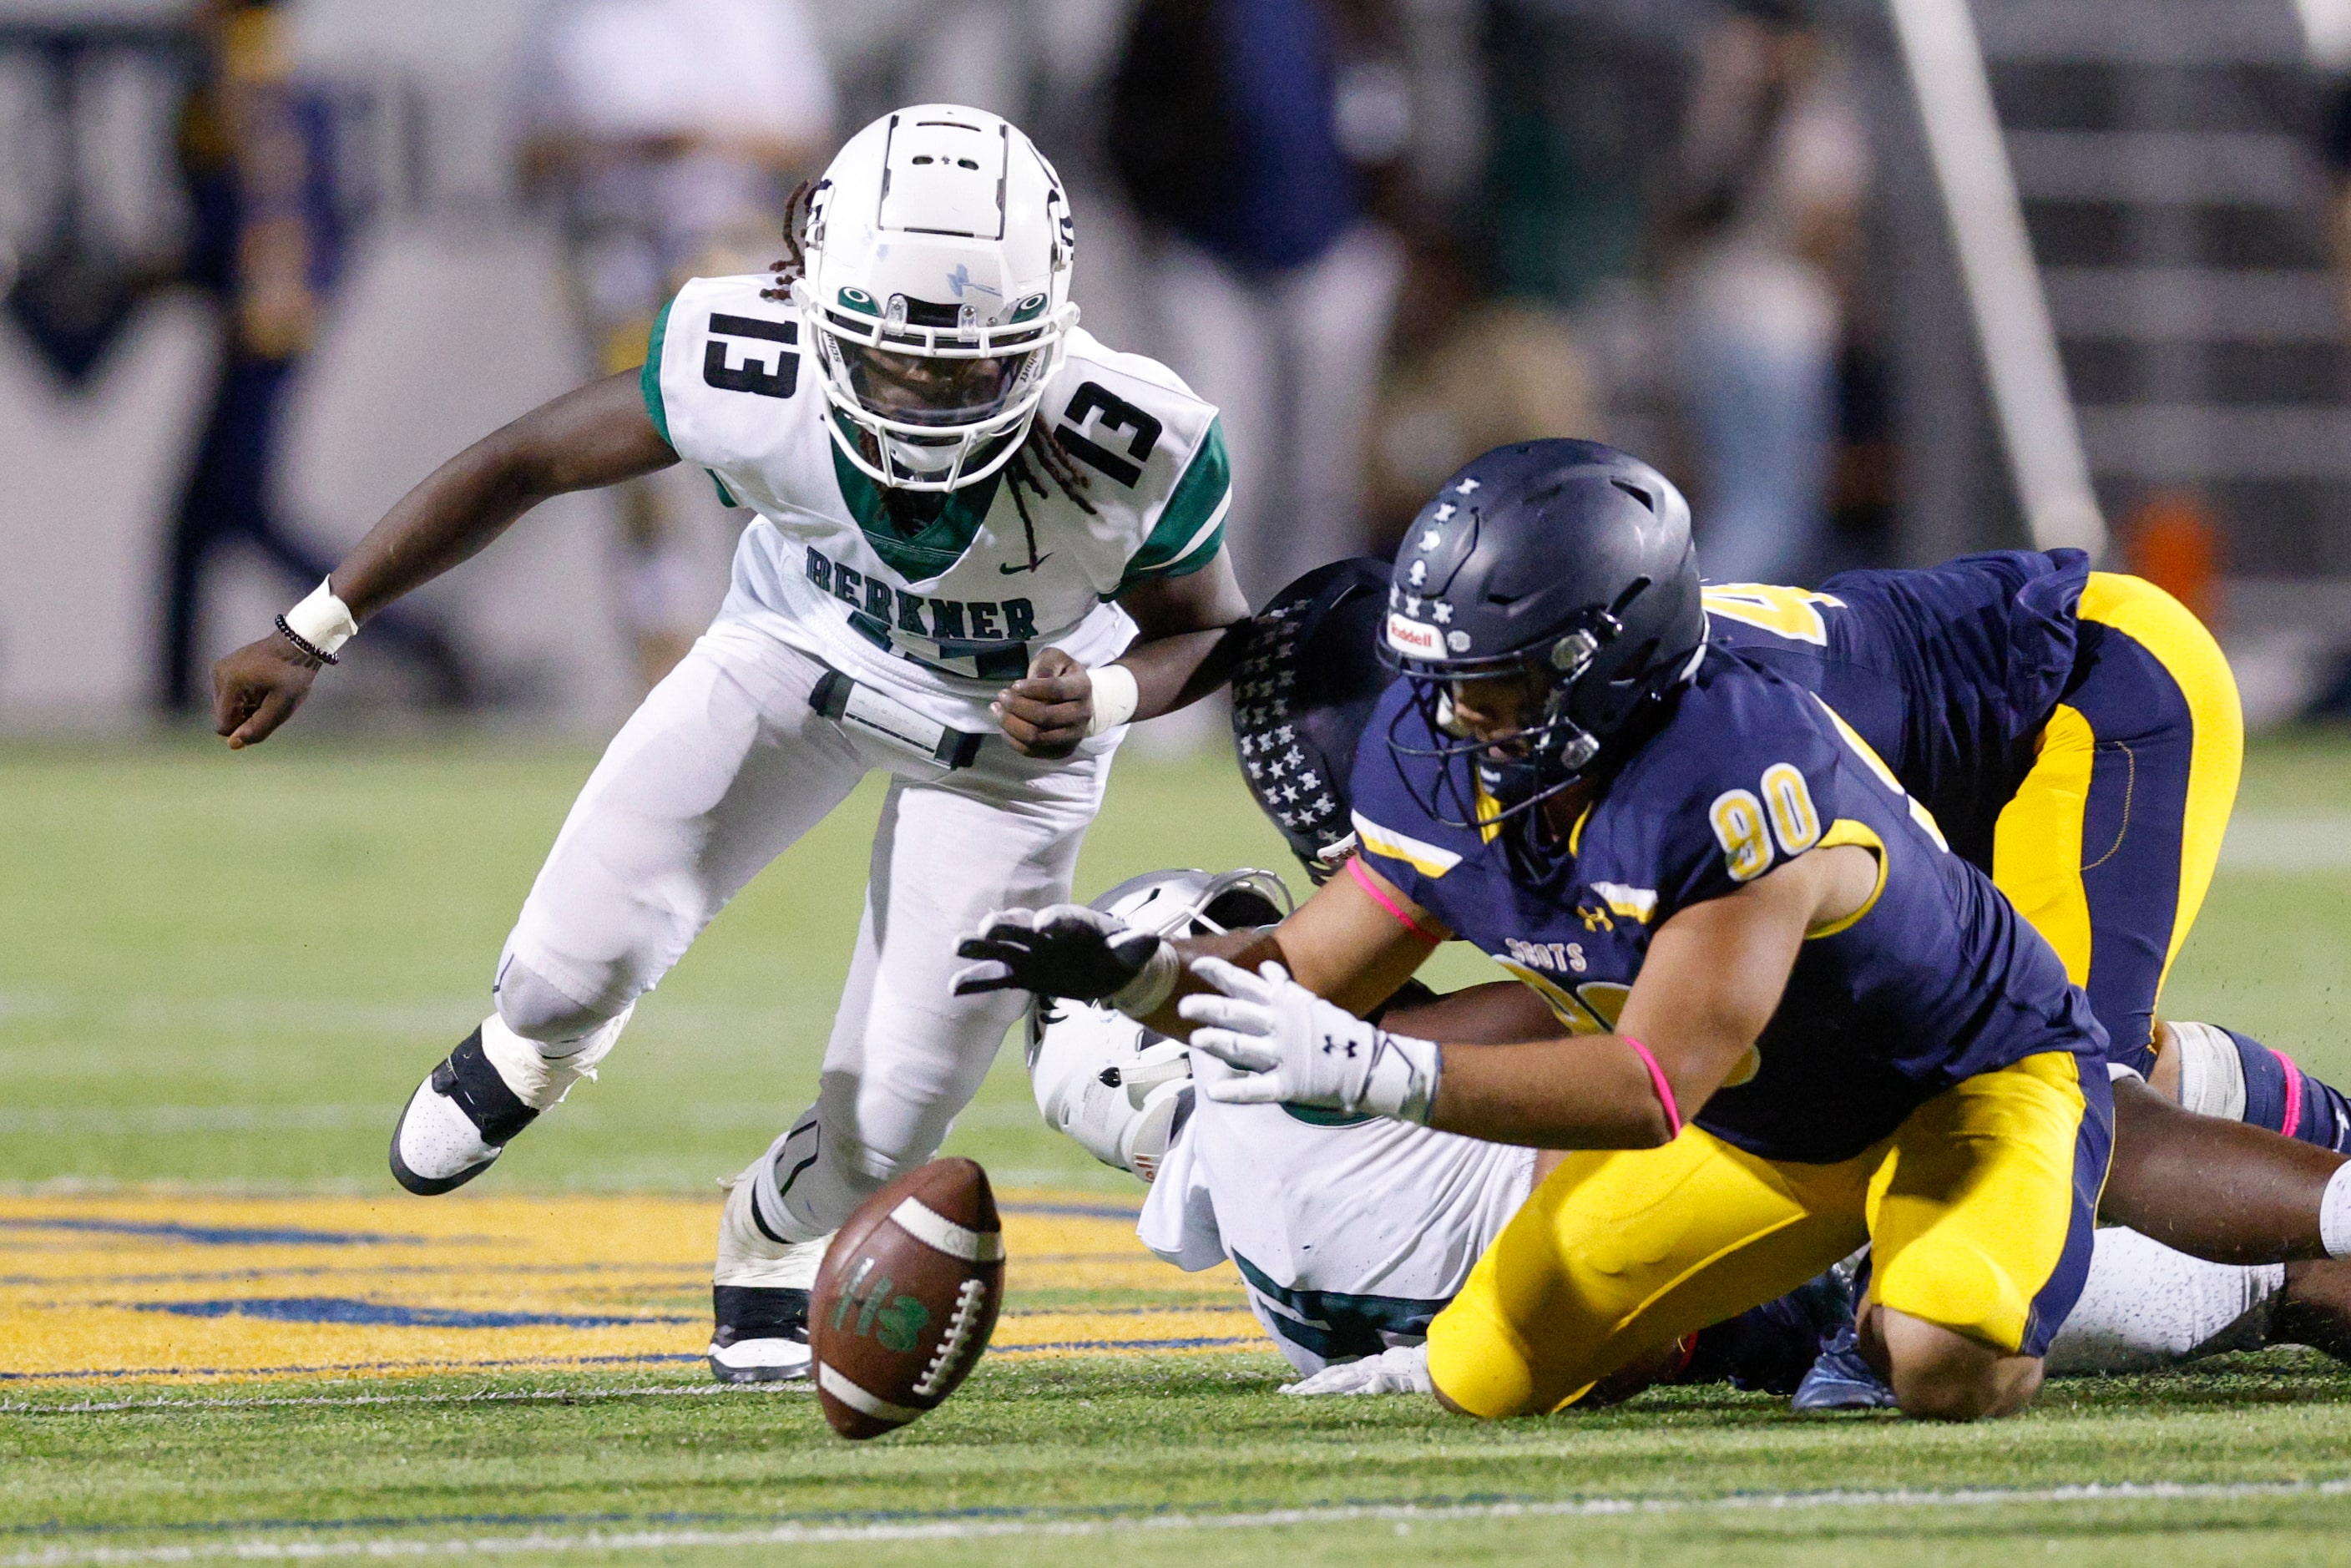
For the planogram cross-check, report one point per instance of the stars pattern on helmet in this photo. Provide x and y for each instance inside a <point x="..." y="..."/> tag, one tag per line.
<point x="1285" y="780"/>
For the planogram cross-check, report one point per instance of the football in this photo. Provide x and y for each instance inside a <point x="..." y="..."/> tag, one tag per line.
<point x="907" y="1298"/>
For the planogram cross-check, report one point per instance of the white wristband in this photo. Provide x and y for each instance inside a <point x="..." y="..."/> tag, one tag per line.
<point x="322" y="620"/>
<point x="1403" y="1083"/>
<point x="1140" y="997"/>
<point x="2335" y="1214"/>
<point x="1116" y="697"/>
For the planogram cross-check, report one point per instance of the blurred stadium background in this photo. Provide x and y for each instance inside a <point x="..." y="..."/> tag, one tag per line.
<point x="1879" y="282"/>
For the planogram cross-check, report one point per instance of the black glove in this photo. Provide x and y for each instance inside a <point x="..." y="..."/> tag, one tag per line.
<point x="1067" y="950"/>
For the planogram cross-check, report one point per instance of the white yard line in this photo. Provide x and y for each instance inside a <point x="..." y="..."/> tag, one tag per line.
<point x="517" y="1396"/>
<point x="2095" y="1494"/>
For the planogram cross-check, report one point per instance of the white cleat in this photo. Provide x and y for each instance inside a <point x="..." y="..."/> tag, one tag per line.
<point x="759" y="1293"/>
<point x="485" y="1092"/>
<point x="460" y="1119"/>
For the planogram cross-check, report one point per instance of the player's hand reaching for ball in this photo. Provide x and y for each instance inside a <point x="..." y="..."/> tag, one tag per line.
<point x="1045" y="713"/>
<point x="1293" y="1048"/>
<point x="1068" y="950"/>
<point x="257" y="688"/>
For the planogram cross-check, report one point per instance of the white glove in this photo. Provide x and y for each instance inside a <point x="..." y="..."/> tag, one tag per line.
<point x="1295" y="1049"/>
<point x="1402" y="1370"/>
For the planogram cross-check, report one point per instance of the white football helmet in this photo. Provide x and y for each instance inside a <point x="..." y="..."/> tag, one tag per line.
<point x="1105" y="1080"/>
<point x="935" y="293"/>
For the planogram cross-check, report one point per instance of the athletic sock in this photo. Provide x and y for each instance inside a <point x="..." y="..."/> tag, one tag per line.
<point x="2225" y="1073"/>
<point x="2281" y="1097"/>
<point x="2145" y="1306"/>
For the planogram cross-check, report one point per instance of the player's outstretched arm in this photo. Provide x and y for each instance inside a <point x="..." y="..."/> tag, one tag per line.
<point x="598" y="434"/>
<point x="1186" y="650"/>
<point x="1341" y="944"/>
<point x="1711" y="980"/>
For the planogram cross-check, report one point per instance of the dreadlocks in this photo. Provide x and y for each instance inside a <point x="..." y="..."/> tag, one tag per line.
<point x="1040" y="457"/>
<point x="788" y="267"/>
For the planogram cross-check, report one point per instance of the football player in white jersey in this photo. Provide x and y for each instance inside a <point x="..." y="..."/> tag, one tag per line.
<point x="985" y="543"/>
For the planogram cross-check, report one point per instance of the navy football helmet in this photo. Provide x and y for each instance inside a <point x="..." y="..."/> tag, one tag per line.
<point x="1309" y="677"/>
<point x="1566" y="560"/>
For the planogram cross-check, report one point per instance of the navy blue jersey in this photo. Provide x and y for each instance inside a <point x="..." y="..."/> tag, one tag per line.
<point x="1937" y="979"/>
<point x="1948" y="674"/>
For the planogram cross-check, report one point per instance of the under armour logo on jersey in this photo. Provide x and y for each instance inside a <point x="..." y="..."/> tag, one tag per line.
<point x="1331" y="1047"/>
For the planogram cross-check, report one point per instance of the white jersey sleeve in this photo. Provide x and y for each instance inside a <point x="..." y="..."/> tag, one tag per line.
<point x="943" y="601"/>
<point x="1179" y="1213"/>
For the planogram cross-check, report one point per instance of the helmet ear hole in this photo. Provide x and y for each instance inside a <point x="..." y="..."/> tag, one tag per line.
<point x="1242" y="907"/>
<point x="1637" y="493"/>
<point x="1635" y="670"/>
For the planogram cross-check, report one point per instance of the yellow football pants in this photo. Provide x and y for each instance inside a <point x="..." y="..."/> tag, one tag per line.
<point x="2108" y="845"/>
<point x="1978" y="1209"/>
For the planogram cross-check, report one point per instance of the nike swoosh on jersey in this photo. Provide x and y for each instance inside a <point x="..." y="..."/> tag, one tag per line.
<point x="1008" y="569"/>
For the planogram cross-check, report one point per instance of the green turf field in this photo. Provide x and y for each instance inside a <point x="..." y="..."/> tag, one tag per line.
<point x="226" y="973"/>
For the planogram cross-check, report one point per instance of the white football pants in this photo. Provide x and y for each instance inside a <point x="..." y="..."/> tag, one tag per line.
<point x="721" y="770"/>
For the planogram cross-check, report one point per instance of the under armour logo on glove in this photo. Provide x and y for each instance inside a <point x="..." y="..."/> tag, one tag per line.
<point x="1292" y="1047"/>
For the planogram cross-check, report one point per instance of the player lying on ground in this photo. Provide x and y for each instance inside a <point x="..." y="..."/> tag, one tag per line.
<point x="1351" y="1233"/>
<point x="1975" y="681"/>
<point x="967" y="509"/>
<point x="1872" y="1044"/>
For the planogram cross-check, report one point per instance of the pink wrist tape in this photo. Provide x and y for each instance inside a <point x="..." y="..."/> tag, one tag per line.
<point x="1657" y="1081"/>
<point x="1364" y="880"/>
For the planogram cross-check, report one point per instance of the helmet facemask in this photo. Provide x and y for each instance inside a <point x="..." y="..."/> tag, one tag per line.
<point x="1120" y="1089"/>
<point x="924" y="396"/>
<point x="1490" y="782"/>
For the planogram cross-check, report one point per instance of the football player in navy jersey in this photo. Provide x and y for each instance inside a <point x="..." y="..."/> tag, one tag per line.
<point x="1942" y="671"/>
<point x="2076" y="734"/>
<point x="1731" y="907"/>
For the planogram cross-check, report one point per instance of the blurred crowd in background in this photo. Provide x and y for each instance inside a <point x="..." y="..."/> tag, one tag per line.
<point x="267" y="263"/>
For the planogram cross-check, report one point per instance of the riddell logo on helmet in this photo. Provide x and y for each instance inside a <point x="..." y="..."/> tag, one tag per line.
<point x="1406" y="636"/>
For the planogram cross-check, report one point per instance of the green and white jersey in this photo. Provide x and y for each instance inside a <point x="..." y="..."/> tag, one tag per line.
<point x="943" y="616"/>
